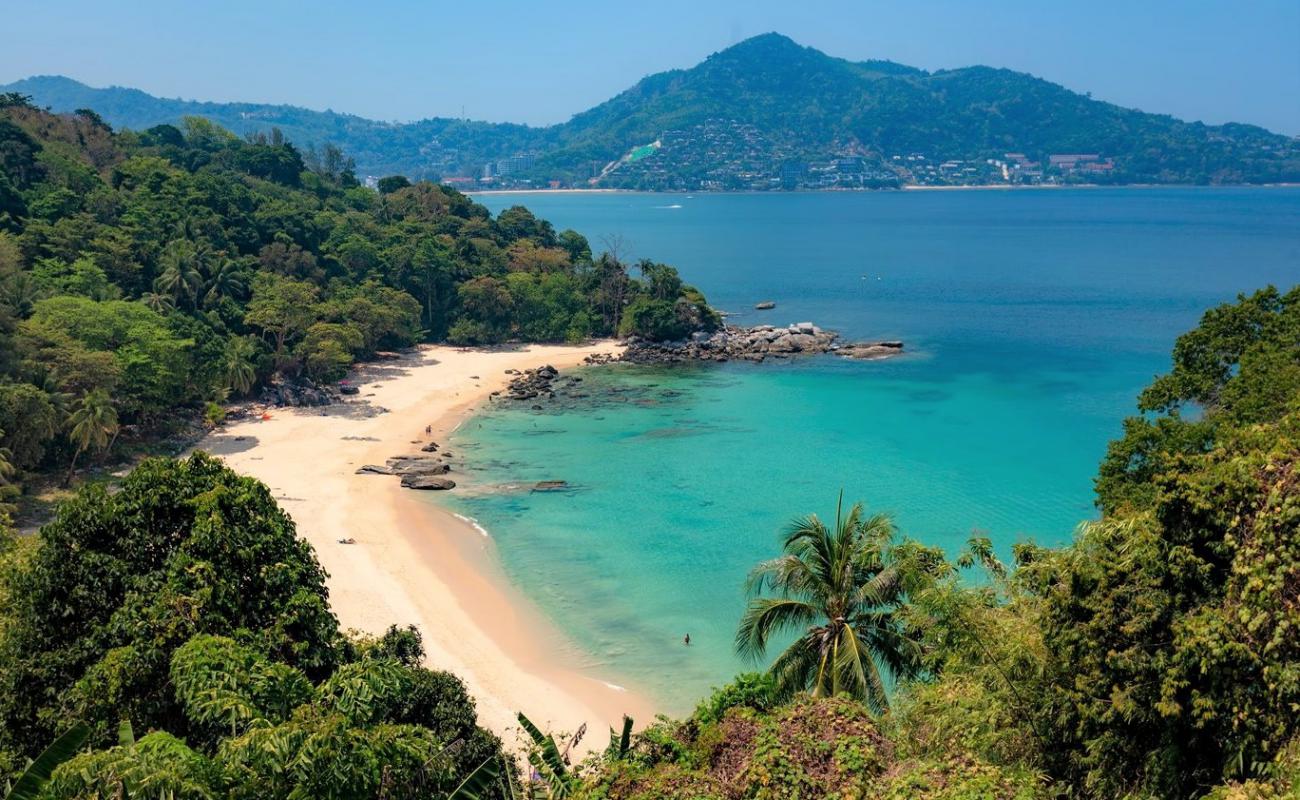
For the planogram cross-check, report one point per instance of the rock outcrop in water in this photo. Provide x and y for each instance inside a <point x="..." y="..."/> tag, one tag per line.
<point x="532" y="383"/>
<point x="755" y="344"/>
<point x="427" y="482"/>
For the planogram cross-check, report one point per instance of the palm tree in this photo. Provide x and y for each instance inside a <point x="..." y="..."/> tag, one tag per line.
<point x="159" y="302"/>
<point x="240" y="374"/>
<point x="91" y="426"/>
<point x="20" y="292"/>
<point x="183" y="265"/>
<point x="843" y="589"/>
<point x="8" y="489"/>
<point x="223" y="281"/>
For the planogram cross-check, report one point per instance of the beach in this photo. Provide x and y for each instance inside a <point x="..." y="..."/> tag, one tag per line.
<point x="411" y="561"/>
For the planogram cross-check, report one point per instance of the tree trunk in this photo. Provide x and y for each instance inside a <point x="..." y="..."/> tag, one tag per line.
<point x="72" y="468"/>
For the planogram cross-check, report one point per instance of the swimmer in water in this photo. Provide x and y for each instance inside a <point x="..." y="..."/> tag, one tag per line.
<point x="687" y="640"/>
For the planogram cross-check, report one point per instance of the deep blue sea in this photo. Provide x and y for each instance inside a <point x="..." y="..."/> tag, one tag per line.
<point x="1032" y="319"/>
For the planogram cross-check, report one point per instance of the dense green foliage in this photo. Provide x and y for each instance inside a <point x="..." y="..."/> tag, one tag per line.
<point x="809" y="748"/>
<point x="142" y="273"/>
<point x="805" y="104"/>
<point x="1154" y="657"/>
<point x="185" y="604"/>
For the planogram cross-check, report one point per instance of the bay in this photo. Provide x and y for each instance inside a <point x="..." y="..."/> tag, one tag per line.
<point x="1032" y="319"/>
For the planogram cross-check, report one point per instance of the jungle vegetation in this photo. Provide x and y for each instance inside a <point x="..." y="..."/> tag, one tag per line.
<point x="144" y="274"/>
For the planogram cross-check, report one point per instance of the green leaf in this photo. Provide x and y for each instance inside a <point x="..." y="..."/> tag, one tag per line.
<point x="479" y="782"/>
<point x="125" y="733"/>
<point x="37" y="774"/>
<point x="545" y="758"/>
<point x="620" y="743"/>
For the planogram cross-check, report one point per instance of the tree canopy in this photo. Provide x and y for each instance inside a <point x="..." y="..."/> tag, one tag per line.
<point x="186" y="604"/>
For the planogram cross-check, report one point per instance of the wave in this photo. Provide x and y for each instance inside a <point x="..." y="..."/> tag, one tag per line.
<point x="674" y="205"/>
<point x="474" y="523"/>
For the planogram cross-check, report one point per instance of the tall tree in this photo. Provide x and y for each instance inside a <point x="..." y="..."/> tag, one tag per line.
<point x="844" y="588"/>
<point x="92" y="426"/>
<point x="183" y="265"/>
<point x="239" y="371"/>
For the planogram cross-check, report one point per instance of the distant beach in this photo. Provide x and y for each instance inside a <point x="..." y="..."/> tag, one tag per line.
<point x="411" y="561"/>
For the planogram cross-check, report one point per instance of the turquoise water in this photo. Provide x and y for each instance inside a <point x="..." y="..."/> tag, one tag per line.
<point x="1033" y="318"/>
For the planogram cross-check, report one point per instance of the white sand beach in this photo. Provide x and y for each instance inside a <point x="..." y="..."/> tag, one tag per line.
<point x="414" y="562"/>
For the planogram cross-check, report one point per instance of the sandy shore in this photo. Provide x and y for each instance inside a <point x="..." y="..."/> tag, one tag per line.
<point x="414" y="562"/>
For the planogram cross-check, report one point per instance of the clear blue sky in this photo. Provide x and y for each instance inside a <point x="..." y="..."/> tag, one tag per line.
<point x="542" y="61"/>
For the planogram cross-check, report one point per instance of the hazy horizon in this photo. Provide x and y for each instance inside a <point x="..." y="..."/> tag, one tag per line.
<point x="1206" y="61"/>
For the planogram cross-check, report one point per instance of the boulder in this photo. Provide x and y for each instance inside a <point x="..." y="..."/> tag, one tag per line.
<point x="417" y="465"/>
<point x="374" y="469"/>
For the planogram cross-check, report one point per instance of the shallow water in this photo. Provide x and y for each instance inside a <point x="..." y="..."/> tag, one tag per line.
<point x="1032" y="320"/>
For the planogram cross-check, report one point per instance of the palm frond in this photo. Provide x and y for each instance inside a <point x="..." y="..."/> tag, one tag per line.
<point x="766" y="615"/>
<point x="793" y="669"/>
<point x="787" y="573"/>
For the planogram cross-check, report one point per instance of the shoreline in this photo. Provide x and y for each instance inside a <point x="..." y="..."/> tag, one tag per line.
<point x="417" y="562"/>
<point x="911" y="187"/>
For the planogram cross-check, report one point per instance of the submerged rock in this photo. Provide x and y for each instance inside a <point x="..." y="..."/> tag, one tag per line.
<point x="871" y="350"/>
<point x="427" y="482"/>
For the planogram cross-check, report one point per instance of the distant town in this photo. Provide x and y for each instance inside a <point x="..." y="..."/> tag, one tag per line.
<point x="722" y="155"/>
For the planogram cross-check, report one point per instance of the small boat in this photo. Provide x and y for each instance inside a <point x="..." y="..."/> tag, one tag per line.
<point x="765" y="305"/>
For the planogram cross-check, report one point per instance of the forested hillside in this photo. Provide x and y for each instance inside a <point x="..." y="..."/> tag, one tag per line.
<point x="788" y="104"/>
<point x="145" y="273"/>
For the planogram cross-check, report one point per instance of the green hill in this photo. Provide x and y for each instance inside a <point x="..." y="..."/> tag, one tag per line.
<point x="768" y="112"/>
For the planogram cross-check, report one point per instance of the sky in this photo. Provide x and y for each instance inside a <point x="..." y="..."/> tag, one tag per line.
<point x="542" y="62"/>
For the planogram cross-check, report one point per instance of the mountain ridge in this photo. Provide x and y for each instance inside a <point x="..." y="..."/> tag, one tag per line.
<point x="764" y="113"/>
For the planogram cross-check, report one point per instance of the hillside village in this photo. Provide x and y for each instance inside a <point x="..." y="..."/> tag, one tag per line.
<point x="726" y="155"/>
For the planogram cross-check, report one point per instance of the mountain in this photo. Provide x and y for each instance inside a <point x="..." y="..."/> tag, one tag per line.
<point x="428" y="148"/>
<point x="768" y="112"/>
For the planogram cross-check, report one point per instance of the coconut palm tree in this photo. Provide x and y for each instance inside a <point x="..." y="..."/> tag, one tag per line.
<point x="183" y="266"/>
<point x="20" y="292"/>
<point x="92" y="425"/>
<point x="239" y="372"/>
<point x="223" y="281"/>
<point x="8" y="489"/>
<point x="842" y="590"/>
<point x="159" y="302"/>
